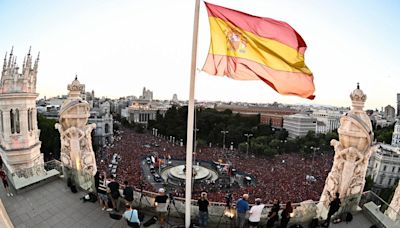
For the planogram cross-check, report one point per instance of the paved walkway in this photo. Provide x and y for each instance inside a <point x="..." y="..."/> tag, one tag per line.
<point x="53" y="205"/>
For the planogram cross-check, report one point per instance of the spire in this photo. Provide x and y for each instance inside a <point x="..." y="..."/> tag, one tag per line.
<point x="76" y="77"/>
<point x="5" y="62"/>
<point x="358" y="85"/>
<point x="36" y="62"/>
<point x="29" y="52"/>
<point x="11" y="54"/>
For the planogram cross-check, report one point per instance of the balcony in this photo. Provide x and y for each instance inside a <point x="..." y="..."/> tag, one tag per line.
<point x="52" y="204"/>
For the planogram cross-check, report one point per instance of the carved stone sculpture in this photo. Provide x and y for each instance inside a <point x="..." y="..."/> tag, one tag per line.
<point x="393" y="212"/>
<point x="352" y="153"/>
<point x="76" y="142"/>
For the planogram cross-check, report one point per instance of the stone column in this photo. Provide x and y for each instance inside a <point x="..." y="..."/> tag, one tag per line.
<point x="393" y="212"/>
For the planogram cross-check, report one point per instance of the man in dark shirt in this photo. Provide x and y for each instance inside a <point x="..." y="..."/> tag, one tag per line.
<point x="113" y="189"/>
<point x="160" y="203"/>
<point x="203" y="210"/>
<point x="128" y="193"/>
<point x="273" y="214"/>
<point x="333" y="208"/>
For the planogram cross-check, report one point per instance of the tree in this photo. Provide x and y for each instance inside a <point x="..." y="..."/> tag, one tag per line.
<point x="368" y="183"/>
<point x="50" y="138"/>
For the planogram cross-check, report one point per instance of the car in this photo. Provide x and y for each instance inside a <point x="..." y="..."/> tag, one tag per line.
<point x="157" y="178"/>
<point x="148" y="160"/>
<point x="152" y="170"/>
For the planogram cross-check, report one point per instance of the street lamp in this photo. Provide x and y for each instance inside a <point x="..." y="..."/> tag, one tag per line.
<point x="312" y="163"/>
<point x="248" y="137"/>
<point x="223" y="140"/>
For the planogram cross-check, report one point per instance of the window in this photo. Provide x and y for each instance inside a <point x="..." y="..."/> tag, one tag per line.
<point x="12" y="127"/>
<point x="17" y="126"/>
<point x="1" y="121"/>
<point x="29" y="120"/>
<point x="381" y="180"/>
<point x="390" y="181"/>
<point x="376" y="165"/>
<point x="393" y="168"/>
<point x="384" y="168"/>
<point x="106" y="128"/>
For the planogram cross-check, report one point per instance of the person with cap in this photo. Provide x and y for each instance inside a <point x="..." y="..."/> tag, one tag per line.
<point x="255" y="213"/>
<point x="203" y="210"/>
<point x="160" y="203"/>
<point x="242" y="206"/>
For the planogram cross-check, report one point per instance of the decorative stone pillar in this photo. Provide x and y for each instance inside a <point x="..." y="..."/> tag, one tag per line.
<point x="76" y="142"/>
<point x="393" y="212"/>
<point x="352" y="153"/>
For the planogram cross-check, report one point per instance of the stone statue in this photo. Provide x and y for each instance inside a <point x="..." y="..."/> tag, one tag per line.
<point x="76" y="141"/>
<point x="393" y="212"/>
<point x="352" y="153"/>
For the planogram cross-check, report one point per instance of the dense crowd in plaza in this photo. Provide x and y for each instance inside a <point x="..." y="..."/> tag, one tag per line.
<point x="282" y="178"/>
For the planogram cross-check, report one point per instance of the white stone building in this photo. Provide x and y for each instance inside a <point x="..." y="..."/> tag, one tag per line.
<point x="103" y="134"/>
<point x="298" y="125"/>
<point x="384" y="165"/>
<point x="142" y="113"/>
<point x="328" y="120"/>
<point x="19" y="134"/>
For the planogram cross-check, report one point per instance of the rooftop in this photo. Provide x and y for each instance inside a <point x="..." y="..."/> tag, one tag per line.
<point x="53" y="205"/>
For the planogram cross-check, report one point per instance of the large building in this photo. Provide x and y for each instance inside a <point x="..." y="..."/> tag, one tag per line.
<point x="19" y="133"/>
<point x="327" y="120"/>
<point x="298" y="125"/>
<point x="389" y="113"/>
<point x="384" y="165"/>
<point x="268" y="115"/>
<point x="398" y="104"/>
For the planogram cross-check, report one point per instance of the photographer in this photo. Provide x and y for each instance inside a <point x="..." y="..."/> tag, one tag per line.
<point x="160" y="203"/>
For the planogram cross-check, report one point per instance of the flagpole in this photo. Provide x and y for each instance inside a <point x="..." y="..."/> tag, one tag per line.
<point x="189" y="142"/>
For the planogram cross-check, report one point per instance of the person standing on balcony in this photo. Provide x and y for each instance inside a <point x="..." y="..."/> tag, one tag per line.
<point x="255" y="213"/>
<point x="128" y="193"/>
<point x="242" y="206"/>
<point x="333" y="208"/>
<point x="160" y="203"/>
<point x="203" y="210"/>
<point x="113" y="189"/>
<point x="285" y="215"/>
<point x="3" y="176"/>
<point x="273" y="214"/>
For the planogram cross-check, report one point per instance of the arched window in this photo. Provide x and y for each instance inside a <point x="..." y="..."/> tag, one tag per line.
<point x="106" y="128"/>
<point x="12" y="127"/>
<point x="17" y="126"/>
<point x="29" y="120"/>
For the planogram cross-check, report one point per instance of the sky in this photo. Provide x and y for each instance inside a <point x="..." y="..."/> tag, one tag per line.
<point x="118" y="47"/>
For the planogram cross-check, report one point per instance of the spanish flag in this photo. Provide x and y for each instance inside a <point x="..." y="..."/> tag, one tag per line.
<point x="246" y="47"/>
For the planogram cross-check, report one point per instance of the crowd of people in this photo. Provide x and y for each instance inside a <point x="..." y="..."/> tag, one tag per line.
<point x="281" y="178"/>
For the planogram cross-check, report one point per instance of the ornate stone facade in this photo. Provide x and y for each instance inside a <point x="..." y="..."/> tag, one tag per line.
<point x="352" y="153"/>
<point x="393" y="212"/>
<point x="76" y="142"/>
<point x="19" y="134"/>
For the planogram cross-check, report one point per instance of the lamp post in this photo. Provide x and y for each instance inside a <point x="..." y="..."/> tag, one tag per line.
<point x="312" y="163"/>
<point x="223" y="139"/>
<point x="247" y="148"/>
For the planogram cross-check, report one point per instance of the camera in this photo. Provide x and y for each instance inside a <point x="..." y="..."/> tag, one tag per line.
<point x="228" y="199"/>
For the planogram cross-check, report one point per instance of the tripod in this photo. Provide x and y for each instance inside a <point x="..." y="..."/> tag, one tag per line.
<point x="142" y="196"/>
<point x="171" y="201"/>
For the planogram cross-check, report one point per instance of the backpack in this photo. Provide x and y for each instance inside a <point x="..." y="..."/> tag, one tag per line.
<point x="349" y="217"/>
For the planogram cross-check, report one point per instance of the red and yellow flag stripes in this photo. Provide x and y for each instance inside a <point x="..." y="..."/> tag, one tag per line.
<point x="245" y="47"/>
